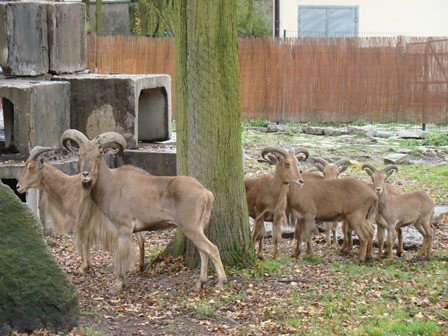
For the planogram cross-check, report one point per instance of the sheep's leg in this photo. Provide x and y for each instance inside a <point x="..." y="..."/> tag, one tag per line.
<point x="347" y="244"/>
<point x="399" y="232"/>
<point x="307" y="229"/>
<point x="390" y="240"/>
<point x="124" y="257"/>
<point x="333" y="229"/>
<point x="426" y="248"/>
<point x="258" y="235"/>
<point x="204" y="269"/>
<point x="206" y="246"/>
<point x="298" y="237"/>
<point x="381" y="232"/>
<point x="85" y="258"/>
<point x="141" y="245"/>
<point x="279" y="221"/>
<point x="327" y="228"/>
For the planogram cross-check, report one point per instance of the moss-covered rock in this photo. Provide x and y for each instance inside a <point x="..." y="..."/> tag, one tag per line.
<point x="34" y="291"/>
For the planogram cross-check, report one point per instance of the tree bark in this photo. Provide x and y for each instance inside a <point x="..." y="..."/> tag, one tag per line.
<point x="209" y="145"/>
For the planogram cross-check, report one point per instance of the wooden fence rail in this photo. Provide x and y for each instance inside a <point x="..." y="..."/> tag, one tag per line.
<point x="335" y="80"/>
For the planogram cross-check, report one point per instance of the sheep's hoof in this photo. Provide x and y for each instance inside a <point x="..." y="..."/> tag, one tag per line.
<point x="198" y="286"/>
<point x="220" y="285"/>
<point x="399" y="254"/>
<point x="261" y="257"/>
<point x="83" y="269"/>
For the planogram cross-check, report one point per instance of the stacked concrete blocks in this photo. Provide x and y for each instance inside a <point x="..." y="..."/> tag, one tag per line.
<point x="38" y="37"/>
<point x="35" y="113"/>
<point x="137" y="106"/>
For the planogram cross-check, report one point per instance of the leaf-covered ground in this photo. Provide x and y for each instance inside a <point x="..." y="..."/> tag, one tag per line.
<point x="328" y="294"/>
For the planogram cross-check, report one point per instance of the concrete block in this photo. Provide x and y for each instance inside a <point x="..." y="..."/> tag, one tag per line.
<point x="23" y="38"/>
<point x="35" y="113"/>
<point x="66" y="37"/>
<point x="137" y="106"/>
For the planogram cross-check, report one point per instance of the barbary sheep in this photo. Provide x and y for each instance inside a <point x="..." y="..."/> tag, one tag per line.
<point x="396" y="210"/>
<point x="266" y="195"/>
<point x="339" y="199"/>
<point x="62" y="199"/>
<point x="142" y="202"/>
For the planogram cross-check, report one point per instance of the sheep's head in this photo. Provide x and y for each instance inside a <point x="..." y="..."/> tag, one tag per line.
<point x="32" y="175"/>
<point x="331" y="170"/>
<point x="379" y="177"/>
<point x="91" y="151"/>
<point x="287" y="163"/>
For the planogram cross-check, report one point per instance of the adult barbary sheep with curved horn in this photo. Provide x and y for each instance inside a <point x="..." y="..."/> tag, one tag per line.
<point x="396" y="210"/>
<point x="137" y="201"/>
<point x="61" y="201"/>
<point x="266" y="195"/>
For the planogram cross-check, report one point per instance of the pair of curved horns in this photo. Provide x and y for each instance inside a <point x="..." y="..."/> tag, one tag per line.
<point x="388" y="170"/>
<point x="324" y="163"/>
<point x="277" y="152"/>
<point x="104" y="140"/>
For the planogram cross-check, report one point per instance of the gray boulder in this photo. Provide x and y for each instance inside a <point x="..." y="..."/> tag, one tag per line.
<point x="34" y="291"/>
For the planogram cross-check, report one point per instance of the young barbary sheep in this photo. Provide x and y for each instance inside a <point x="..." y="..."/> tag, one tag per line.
<point x="381" y="226"/>
<point x="339" y="199"/>
<point x="331" y="171"/>
<point x="266" y="195"/>
<point x="142" y="202"/>
<point x="62" y="198"/>
<point x="397" y="210"/>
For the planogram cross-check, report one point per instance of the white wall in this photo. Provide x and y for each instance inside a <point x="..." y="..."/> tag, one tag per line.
<point x="380" y="17"/>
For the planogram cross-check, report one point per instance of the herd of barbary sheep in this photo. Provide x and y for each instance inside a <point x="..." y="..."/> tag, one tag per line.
<point x="110" y="205"/>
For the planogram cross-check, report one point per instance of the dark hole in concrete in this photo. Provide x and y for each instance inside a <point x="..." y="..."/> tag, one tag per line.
<point x="7" y="138"/>
<point x="12" y="184"/>
<point x="152" y="123"/>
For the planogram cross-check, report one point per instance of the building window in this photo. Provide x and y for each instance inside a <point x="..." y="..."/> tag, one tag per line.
<point x="328" y="21"/>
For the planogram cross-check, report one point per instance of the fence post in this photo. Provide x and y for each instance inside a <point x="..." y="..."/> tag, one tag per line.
<point x="425" y="83"/>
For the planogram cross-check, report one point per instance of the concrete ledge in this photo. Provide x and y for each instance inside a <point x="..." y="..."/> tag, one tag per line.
<point x="137" y="106"/>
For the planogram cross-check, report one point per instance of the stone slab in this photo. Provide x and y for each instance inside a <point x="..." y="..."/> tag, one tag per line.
<point x="137" y="106"/>
<point x="23" y="38"/>
<point x="36" y="113"/>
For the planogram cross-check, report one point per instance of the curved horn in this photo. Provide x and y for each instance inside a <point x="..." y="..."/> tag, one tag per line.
<point x="368" y="168"/>
<point x="110" y="140"/>
<point x="38" y="150"/>
<point x="342" y="162"/>
<point x="320" y="163"/>
<point x="274" y="150"/>
<point x="305" y="154"/>
<point x="389" y="170"/>
<point x="72" y="135"/>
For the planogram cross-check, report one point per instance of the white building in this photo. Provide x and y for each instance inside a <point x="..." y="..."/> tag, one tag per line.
<point x="349" y="18"/>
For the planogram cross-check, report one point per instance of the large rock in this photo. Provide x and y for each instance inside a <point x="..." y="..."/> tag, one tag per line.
<point x="34" y="291"/>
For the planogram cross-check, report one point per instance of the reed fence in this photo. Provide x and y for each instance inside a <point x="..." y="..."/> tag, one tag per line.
<point x="390" y="79"/>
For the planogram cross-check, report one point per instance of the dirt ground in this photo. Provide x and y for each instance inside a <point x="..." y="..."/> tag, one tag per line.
<point x="162" y="299"/>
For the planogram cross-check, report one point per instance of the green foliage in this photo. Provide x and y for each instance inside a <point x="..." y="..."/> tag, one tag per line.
<point x="92" y="332"/>
<point x="255" y="22"/>
<point x="436" y="139"/>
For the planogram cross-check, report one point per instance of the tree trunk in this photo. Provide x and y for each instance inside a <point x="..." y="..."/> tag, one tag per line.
<point x="34" y="291"/>
<point x="209" y="145"/>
